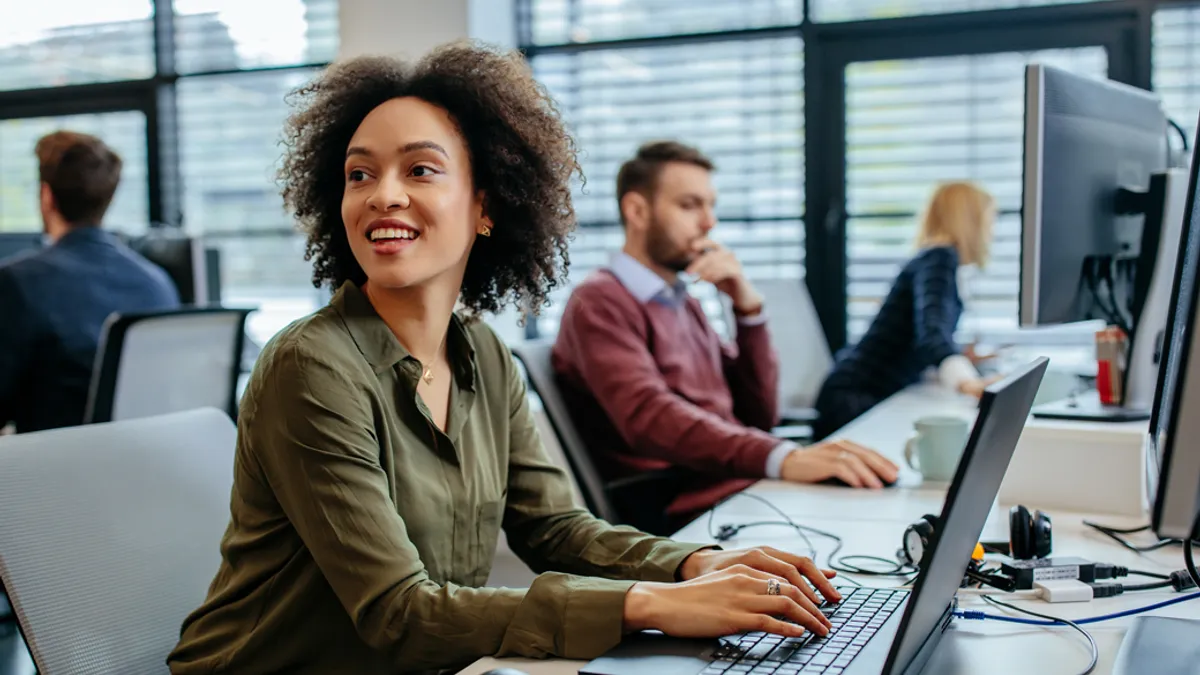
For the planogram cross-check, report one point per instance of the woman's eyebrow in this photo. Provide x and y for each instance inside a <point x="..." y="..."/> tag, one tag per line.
<point x="407" y="148"/>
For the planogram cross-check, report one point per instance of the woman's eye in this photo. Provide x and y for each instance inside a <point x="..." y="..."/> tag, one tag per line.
<point x="356" y="176"/>
<point x="421" y="171"/>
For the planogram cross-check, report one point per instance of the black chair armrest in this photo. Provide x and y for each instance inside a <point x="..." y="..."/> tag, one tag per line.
<point x="641" y="500"/>
<point x="799" y="433"/>
<point x="790" y="416"/>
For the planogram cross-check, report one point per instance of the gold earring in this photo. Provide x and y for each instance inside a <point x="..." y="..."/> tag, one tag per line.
<point x="485" y="231"/>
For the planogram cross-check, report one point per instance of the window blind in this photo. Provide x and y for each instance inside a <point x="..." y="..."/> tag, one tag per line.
<point x="230" y="127"/>
<point x="911" y="124"/>
<point x="1175" y="57"/>
<point x="564" y="21"/>
<point x="852" y="10"/>
<point x="214" y="35"/>
<point x="738" y="101"/>
<point x="101" y="42"/>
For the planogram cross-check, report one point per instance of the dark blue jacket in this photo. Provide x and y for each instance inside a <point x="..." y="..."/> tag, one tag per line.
<point x="913" y="330"/>
<point x="53" y="304"/>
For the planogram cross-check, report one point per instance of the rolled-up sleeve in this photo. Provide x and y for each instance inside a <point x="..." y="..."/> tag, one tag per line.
<point x="314" y="439"/>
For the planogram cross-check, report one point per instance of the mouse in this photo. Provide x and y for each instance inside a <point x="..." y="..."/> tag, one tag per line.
<point x="505" y="671"/>
<point x="841" y="483"/>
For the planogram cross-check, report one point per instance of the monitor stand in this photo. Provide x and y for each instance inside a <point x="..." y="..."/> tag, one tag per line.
<point x="1088" y="408"/>
<point x="1160" y="645"/>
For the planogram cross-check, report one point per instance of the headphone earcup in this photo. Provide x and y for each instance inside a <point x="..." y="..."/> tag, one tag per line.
<point x="917" y="539"/>
<point x="1020" y="535"/>
<point x="1043" y="535"/>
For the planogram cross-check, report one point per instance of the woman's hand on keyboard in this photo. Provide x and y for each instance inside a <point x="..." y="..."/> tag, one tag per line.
<point x="798" y="570"/>
<point x="731" y="600"/>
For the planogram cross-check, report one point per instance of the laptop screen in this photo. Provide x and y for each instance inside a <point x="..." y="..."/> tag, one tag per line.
<point x="1002" y="414"/>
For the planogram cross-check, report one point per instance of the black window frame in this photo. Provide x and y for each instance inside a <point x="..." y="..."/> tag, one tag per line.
<point x="155" y="97"/>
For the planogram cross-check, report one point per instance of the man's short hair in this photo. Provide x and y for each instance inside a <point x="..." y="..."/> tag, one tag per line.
<point x="640" y="174"/>
<point x="82" y="173"/>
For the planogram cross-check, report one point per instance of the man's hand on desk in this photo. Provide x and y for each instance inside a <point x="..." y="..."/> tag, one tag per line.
<point x="846" y="461"/>
<point x="728" y="592"/>
<point x="974" y="387"/>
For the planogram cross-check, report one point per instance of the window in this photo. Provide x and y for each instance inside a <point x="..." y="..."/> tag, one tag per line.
<point x="911" y="124"/>
<point x="739" y="101"/>
<point x="230" y="127"/>
<point x="101" y="42"/>
<point x="217" y="35"/>
<point x="851" y="10"/>
<point x="1176" y="53"/>
<point x="125" y="132"/>
<point x="563" y="21"/>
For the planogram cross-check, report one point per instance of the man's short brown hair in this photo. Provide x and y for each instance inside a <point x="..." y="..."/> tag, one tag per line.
<point x="640" y="174"/>
<point x="82" y="173"/>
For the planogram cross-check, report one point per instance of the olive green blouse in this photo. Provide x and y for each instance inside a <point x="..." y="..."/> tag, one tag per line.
<point x="361" y="534"/>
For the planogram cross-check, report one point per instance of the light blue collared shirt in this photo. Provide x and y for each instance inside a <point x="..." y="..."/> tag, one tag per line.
<point x="642" y="283"/>
<point x="645" y="286"/>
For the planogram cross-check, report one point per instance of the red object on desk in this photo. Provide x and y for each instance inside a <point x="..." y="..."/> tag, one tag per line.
<point x="1104" y="382"/>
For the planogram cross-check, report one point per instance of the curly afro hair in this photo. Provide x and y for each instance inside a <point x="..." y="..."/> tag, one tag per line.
<point x="522" y="159"/>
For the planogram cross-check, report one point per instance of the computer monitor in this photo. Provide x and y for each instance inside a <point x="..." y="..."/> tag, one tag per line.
<point x="183" y="258"/>
<point x="1174" y="424"/>
<point x="1100" y="221"/>
<point x="15" y="243"/>
<point x="1084" y="140"/>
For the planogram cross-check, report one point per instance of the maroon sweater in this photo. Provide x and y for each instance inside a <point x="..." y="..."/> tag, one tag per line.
<point x="650" y="385"/>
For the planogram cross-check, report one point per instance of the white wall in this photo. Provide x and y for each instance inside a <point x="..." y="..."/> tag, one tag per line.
<point x="411" y="28"/>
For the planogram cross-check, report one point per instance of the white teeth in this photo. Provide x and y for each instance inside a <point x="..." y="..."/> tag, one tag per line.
<point x="392" y="233"/>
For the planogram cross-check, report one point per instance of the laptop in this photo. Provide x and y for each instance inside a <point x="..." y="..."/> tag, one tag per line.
<point x="876" y="631"/>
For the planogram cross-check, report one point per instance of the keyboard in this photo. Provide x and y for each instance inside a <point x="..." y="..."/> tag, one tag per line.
<point x="855" y="620"/>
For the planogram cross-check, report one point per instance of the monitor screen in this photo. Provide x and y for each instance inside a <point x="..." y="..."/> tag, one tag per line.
<point x="1085" y="139"/>
<point x="1174" y="454"/>
<point x="184" y="260"/>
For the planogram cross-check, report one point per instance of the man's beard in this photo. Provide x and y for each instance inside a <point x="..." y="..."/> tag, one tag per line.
<point x="663" y="251"/>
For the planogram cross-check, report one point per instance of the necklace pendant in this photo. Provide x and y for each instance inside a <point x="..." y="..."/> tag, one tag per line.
<point x="427" y="375"/>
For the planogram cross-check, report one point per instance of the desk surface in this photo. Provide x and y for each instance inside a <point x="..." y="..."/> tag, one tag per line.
<point x="872" y="522"/>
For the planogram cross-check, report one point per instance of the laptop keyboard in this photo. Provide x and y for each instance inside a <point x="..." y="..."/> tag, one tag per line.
<point x="855" y="620"/>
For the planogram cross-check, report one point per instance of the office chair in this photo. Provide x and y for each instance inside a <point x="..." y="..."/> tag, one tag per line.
<point x="110" y="535"/>
<point x="161" y="362"/>
<point x="640" y="501"/>
<point x="804" y="355"/>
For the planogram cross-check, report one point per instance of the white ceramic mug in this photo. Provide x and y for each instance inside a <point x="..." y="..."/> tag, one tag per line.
<point x="937" y="447"/>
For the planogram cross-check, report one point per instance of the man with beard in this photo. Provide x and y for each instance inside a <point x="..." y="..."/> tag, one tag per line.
<point x="648" y="381"/>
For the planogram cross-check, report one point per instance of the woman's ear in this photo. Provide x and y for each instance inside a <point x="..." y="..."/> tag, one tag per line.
<point x="485" y="227"/>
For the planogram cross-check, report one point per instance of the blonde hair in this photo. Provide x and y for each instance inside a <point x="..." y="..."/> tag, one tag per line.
<point x="959" y="214"/>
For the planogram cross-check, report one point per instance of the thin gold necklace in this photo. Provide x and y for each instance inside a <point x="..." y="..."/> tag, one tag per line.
<point x="427" y="373"/>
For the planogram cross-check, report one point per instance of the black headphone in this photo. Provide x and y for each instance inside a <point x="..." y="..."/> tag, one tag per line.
<point x="918" y="540"/>
<point x="1030" y="536"/>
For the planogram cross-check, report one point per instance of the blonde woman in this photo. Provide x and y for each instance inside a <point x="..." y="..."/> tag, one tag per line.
<point x="914" y="329"/>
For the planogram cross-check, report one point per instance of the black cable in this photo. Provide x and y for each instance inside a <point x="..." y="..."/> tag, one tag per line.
<point x="1189" y="552"/>
<point x="1095" y="651"/>
<point x="1116" y="530"/>
<point x="1151" y="575"/>
<point x="1115" y="535"/>
<point x="893" y="568"/>
<point x="1182" y="134"/>
<point x="1146" y="587"/>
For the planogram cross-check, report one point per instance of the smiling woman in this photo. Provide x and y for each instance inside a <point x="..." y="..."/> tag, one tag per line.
<point x="505" y="140"/>
<point x="383" y="440"/>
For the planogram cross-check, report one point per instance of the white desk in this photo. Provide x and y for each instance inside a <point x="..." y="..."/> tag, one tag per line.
<point x="872" y="522"/>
